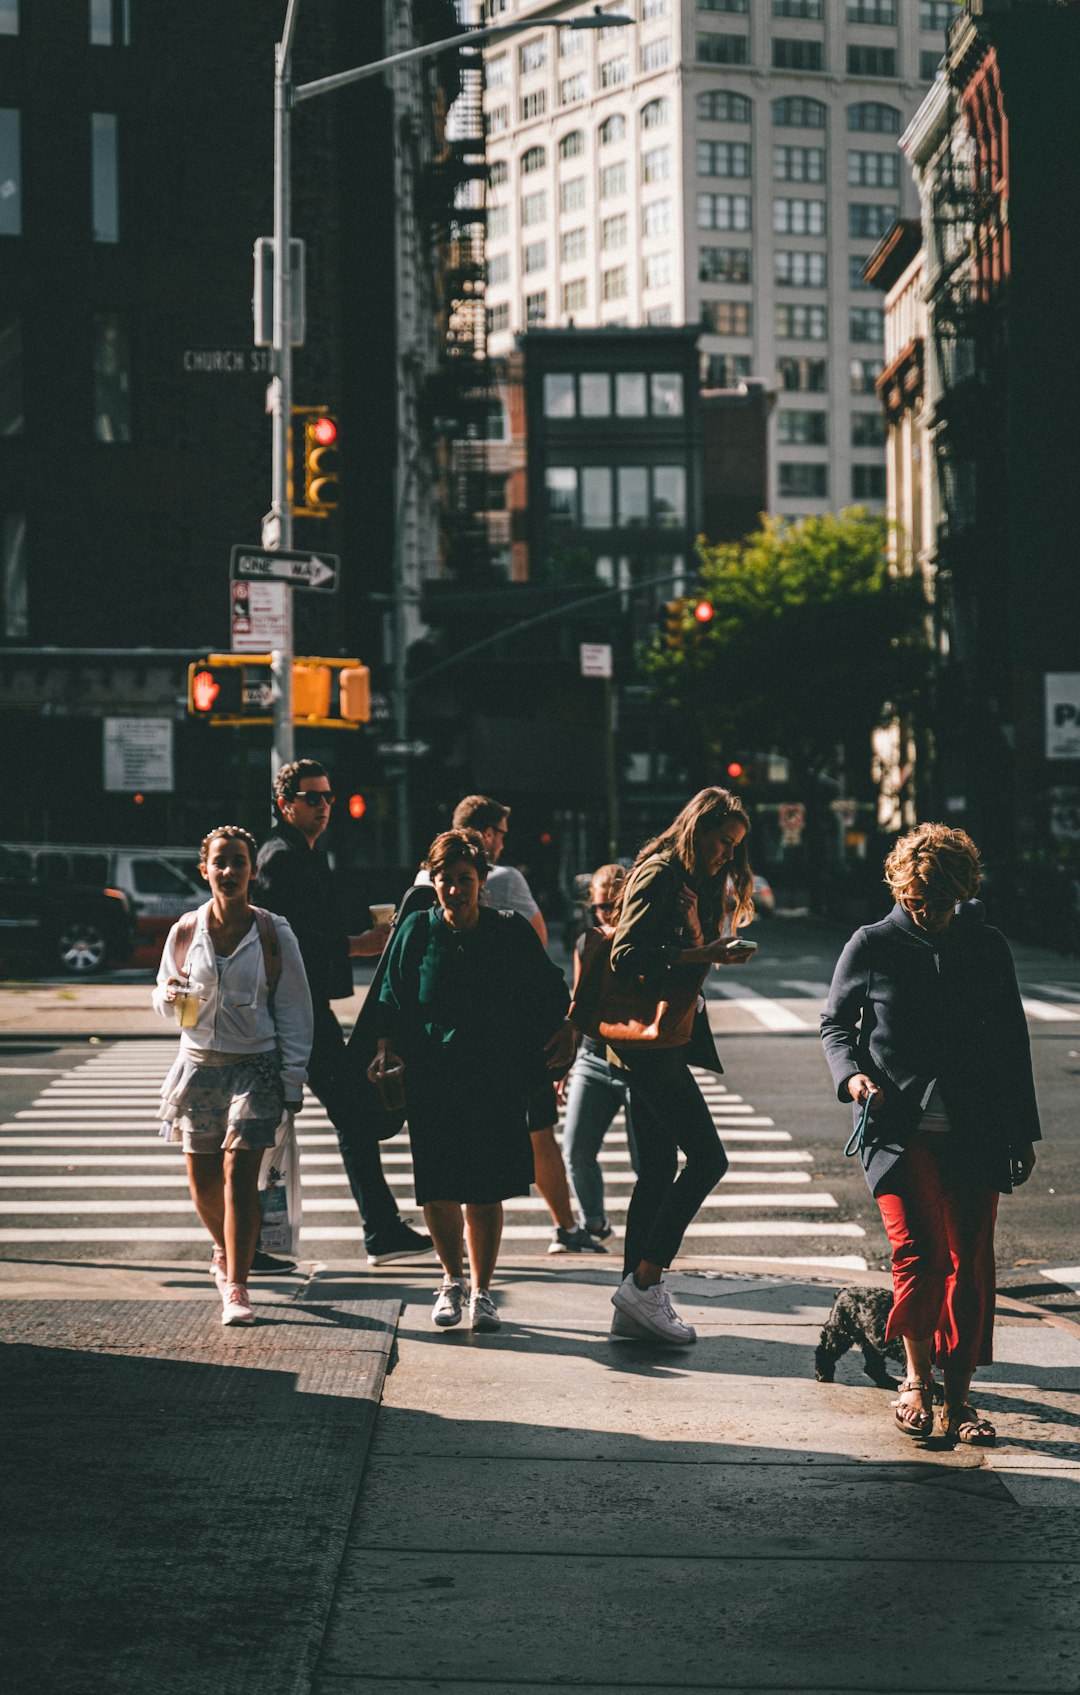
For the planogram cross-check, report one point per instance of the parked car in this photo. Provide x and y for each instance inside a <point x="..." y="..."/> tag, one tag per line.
<point x="158" y="883"/>
<point x="74" y="927"/>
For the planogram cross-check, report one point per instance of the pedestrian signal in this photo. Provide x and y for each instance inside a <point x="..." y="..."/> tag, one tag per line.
<point x="355" y="694"/>
<point x="213" y="690"/>
<point x="357" y="806"/>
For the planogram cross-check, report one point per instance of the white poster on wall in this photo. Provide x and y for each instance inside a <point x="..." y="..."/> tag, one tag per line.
<point x="138" y="755"/>
<point x="1063" y="714"/>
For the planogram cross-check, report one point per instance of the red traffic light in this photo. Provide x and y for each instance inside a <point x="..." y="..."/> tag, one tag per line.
<point x="703" y="611"/>
<point x="325" y="431"/>
<point x="736" y="770"/>
<point x="205" y="689"/>
<point x="357" y="806"/>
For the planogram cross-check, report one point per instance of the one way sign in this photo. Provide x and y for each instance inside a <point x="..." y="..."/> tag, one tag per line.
<point x="302" y="570"/>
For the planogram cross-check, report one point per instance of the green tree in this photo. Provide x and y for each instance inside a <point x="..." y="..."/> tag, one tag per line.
<point x="813" y="640"/>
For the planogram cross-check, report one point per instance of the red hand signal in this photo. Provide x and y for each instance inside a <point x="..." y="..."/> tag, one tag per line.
<point x="205" y="689"/>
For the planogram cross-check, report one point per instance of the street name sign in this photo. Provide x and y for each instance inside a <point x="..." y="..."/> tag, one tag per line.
<point x="302" y="570"/>
<point x="402" y="750"/>
<point x="595" y="659"/>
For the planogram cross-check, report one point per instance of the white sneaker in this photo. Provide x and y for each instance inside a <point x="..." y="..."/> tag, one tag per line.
<point x="653" y="1311"/>
<point x="235" y="1308"/>
<point x="448" y="1302"/>
<point x="482" y="1313"/>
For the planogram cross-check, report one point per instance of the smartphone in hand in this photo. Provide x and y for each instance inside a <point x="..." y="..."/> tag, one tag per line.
<point x="740" y="947"/>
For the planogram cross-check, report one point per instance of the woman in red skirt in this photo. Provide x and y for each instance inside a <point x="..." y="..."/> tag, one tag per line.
<point x="924" y="1020"/>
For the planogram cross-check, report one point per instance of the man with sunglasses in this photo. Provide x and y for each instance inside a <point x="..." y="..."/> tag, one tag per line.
<point x="295" y="879"/>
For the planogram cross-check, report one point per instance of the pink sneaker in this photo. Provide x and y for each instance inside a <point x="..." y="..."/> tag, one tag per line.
<point x="236" y="1307"/>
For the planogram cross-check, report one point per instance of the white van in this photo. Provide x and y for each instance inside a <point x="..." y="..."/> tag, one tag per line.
<point x="160" y="883"/>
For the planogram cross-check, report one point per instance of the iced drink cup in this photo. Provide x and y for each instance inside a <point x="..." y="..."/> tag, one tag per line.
<point x="187" y="1004"/>
<point x="383" y="913"/>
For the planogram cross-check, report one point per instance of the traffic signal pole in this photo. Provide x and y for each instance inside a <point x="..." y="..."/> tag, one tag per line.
<point x="277" y="527"/>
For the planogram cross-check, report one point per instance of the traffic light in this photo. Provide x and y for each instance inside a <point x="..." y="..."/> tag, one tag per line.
<point x="354" y="684"/>
<point x="704" y="611"/>
<point x="320" y="464"/>
<point x="214" y="690"/>
<point x="357" y="806"/>
<point x="310" y="691"/>
<point x="739" y="771"/>
<point x="674" y="627"/>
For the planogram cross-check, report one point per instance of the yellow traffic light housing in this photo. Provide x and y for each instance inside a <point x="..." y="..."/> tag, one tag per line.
<point x="310" y="690"/>
<point x="354" y="686"/>
<point x="674" y="625"/>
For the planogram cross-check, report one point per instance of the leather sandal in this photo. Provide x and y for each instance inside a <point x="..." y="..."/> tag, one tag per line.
<point x="966" y="1425"/>
<point x="922" y="1425"/>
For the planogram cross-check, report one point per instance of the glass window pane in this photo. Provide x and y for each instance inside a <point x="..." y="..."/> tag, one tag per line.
<point x="633" y="485"/>
<point x="558" y="395"/>
<point x="596" y="497"/>
<point x="667" y="394"/>
<point x="595" y="394"/>
<point x="11" y="377"/>
<point x="101" y="23"/>
<point x="16" y="603"/>
<point x="10" y="172"/>
<point x="9" y="17"/>
<point x="630" y="394"/>
<point x="669" y="495"/>
<point x="105" y="185"/>
<point x="112" y="380"/>
<point x="561" y="484"/>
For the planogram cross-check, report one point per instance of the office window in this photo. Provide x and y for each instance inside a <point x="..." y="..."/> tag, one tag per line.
<point x="658" y="315"/>
<point x="797" y="111"/>
<point x="613" y="283"/>
<point x="726" y="317"/>
<point x="534" y="256"/>
<point x="870" y="220"/>
<point x="723" y="49"/>
<point x="801" y="323"/>
<point x="112" y="380"/>
<point x="612" y="129"/>
<point x="9" y="17"/>
<point x="497" y="121"/>
<point x="666" y="394"/>
<point x="656" y="217"/>
<point x="10" y="172"/>
<point x="867" y="323"/>
<point x="928" y="64"/>
<point x="497" y="72"/>
<point x="573" y="88"/>
<point x="656" y="270"/>
<point x="561" y="483"/>
<point x="799" y="217"/>
<point x="575" y="295"/>
<point x="655" y="114"/>
<point x="572" y="43"/>
<point x="572" y="195"/>
<point x="498" y="268"/>
<point x="498" y="172"/>
<point x="597" y="502"/>
<point x="595" y="389"/>
<point x="612" y="181"/>
<point x="873" y="116"/>
<point x="651" y="9"/>
<point x="498" y="222"/>
<point x="868" y="482"/>
<point x="656" y="165"/>
<point x="558" y="394"/>
<point x="873" y="170"/>
<point x="536" y="307"/>
<point x="723" y="211"/>
<point x="630" y="394"/>
<point x="572" y="144"/>
<point x="613" y="231"/>
<point x="104" y="167"/>
<point x="799" y="270"/>
<point x="856" y="261"/>
<point x="724" y="264"/>
<point x="632" y="496"/>
<point x="797" y="8"/>
<point x="802" y="376"/>
<point x="721" y="107"/>
<point x="871" y="61"/>
<point x="792" y="55"/>
<point x="802" y="429"/>
<point x="655" y="55"/>
<point x="110" y="23"/>
<point x="937" y="14"/>
<point x="14" y="586"/>
<point x="723" y="158"/>
<point x="669" y="496"/>
<point x="864" y="375"/>
<point x="11" y="377"/>
<point x="799" y="164"/>
<point x="867" y="429"/>
<point x="804" y="482"/>
<point x="722" y="6"/>
<point x="574" y="245"/>
<point x="498" y="318"/>
<point x="614" y="72"/>
<point x="871" y="11"/>
<point x="532" y="106"/>
<point x="534" y="207"/>
<point x="532" y="55"/>
<point x="534" y="159"/>
<point x="724" y="370"/>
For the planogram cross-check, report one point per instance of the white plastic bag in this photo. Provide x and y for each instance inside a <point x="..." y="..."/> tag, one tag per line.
<point x="279" y="1193"/>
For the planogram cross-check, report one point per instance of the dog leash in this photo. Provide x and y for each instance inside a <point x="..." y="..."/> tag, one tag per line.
<point x="857" y="1140"/>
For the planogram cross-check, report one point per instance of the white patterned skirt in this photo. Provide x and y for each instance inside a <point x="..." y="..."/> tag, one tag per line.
<point x="215" y="1100"/>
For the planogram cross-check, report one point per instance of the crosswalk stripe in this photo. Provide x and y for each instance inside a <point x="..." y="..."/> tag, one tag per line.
<point x="519" y="1203"/>
<point x="789" y="1156"/>
<point x="766" y="1011"/>
<point x="327" y="1180"/>
<point x="149" y="1233"/>
<point x="816" y="991"/>
<point x="1056" y="991"/>
<point x="1044" y="1013"/>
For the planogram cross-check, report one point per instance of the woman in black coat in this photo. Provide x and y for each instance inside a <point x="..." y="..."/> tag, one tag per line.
<point x="924" y="1020"/>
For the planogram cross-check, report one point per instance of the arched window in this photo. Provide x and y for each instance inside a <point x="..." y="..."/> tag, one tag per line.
<point x="534" y="160"/>
<point x="656" y="113"/>
<point x="721" y="106"/>
<point x="872" y="115"/>
<point x="572" y="144"/>
<point x="797" y="111"/>
<point x="612" y="129"/>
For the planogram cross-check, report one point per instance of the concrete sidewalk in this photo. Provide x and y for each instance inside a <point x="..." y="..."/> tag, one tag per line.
<point x="539" y="1509"/>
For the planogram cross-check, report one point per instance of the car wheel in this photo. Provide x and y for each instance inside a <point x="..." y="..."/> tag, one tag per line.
<point x="81" y="947"/>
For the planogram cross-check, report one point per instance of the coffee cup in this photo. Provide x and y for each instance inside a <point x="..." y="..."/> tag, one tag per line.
<point x="382" y="912"/>
<point x="391" y="1087"/>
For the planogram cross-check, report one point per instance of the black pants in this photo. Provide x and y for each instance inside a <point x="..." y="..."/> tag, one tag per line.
<point x="331" y="1078"/>
<point x="669" y="1113"/>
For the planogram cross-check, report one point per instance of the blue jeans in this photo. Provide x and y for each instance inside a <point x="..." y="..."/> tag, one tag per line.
<point x="594" y="1095"/>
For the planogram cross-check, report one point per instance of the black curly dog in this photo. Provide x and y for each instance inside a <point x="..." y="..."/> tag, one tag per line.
<point x="858" y="1319"/>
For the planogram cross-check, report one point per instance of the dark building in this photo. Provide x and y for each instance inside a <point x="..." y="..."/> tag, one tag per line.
<point x="734" y="459"/>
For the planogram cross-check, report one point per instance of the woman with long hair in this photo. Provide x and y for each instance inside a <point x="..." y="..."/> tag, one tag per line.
<point x="668" y="932"/>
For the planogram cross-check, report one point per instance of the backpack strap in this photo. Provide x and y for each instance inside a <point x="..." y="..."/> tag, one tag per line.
<point x="183" y="936"/>
<point x="271" y="949"/>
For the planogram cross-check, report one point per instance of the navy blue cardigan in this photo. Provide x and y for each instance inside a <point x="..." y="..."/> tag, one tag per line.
<point x="907" y="1010"/>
